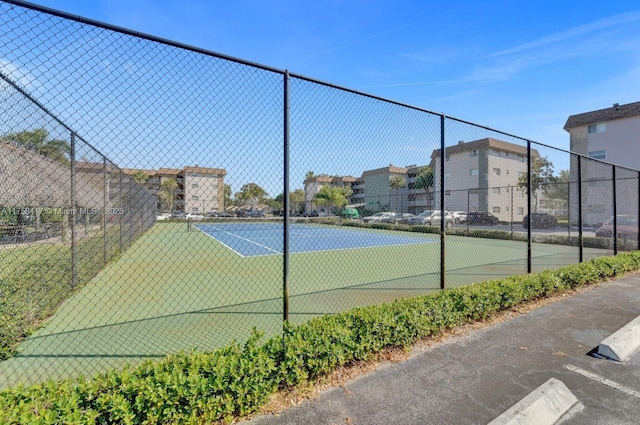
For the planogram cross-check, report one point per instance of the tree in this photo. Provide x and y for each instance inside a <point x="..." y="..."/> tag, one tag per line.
<point x="167" y="191"/>
<point x="424" y="180"/>
<point x="397" y="182"/>
<point x="541" y="178"/>
<point x="333" y="196"/>
<point x="227" y="197"/>
<point x="139" y="176"/>
<point x="309" y="175"/>
<point x="251" y="194"/>
<point x="38" y="140"/>
<point x="296" y="200"/>
<point x="560" y="187"/>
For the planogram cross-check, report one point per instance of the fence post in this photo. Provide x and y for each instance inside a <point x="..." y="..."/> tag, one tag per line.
<point x="615" y="212"/>
<point x="285" y="242"/>
<point x="120" y="206"/>
<point x="529" y="206"/>
<point x="71" y="216"/>
<point x="638" y="217"/>
<point x="442" y="215"/>
<point x="580" y="233"/>
<point x="105" y="195"/>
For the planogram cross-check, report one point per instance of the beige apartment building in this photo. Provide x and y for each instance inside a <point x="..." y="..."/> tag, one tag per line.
<point x="611" y="136"/>
<point x="482" y="175"/>
<point x="199" y="189"/>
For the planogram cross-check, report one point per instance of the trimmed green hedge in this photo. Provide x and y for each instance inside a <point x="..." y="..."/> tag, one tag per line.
<point x="192" y="388"/>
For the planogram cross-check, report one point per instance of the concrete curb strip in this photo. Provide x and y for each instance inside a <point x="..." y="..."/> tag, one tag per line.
<point x="621" y="344"/>
<point x="543" y="406"/>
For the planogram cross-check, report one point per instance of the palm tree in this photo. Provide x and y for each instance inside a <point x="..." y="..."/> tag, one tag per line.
<point x="397" y="182"/>
<point x="333" y="196"/>
<point x="167" y="191"/>
<point x="424" y="180"/>
<point x="139" y="176"/>
<point x="38" y="140"/>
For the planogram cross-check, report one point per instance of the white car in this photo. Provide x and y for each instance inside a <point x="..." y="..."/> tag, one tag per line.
<point x="459" y="216"/>
<point x="375" y="218"/>
<point x="194" y="217"/>
<point x="161" y="217"/>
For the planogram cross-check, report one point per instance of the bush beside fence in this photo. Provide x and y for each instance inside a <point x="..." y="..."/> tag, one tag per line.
<point x="234" y="381"/>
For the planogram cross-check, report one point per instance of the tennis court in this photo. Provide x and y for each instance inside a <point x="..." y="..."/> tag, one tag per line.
<point x="176" y="290"/>
<point x="257" y="239"/>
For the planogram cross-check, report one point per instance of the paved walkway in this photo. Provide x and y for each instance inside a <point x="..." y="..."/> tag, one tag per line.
<point x="475" y="378"/>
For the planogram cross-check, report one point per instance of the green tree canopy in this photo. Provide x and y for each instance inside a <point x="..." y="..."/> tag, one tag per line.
<point x="227" y="197"/>
<point x="167" y="191"/>
<point x="541" y="178"/>
<point x="139" y="176"/>
<point x="39" y="141"/>
<point x="251" y="195"/>
<point x="333" y="196"/>
<point x="424" y="180"/>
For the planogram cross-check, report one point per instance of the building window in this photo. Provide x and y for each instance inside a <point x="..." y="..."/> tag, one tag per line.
<point x="447" y="158"/>
<point x="496" y="191"/>
<point x="473" y="172"/>
<point x="194" y="174"/>
<point x="520" y="210"/>
<point x="194" y="198"/>
<point x="447" y="193"/>
<point x="598" y="154"/>
<point x="447" y="176"/>
<point x="597" y="128"/>
<point x="194" y="186"/>
<point x="496" y="210"/>
<point x="473" y="153"/>
<point x="521" y="158"/>
<point x="194" y="209"/>
<point x="496" y="171"/>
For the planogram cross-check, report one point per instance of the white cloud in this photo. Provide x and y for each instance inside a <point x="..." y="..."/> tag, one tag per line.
<point x="17" y="75"/>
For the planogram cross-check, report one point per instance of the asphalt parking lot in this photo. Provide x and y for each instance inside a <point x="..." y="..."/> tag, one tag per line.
<point x="475" y="378"/>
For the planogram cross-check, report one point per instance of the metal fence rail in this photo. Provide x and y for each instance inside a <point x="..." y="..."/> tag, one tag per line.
<point x="210" y="196"/>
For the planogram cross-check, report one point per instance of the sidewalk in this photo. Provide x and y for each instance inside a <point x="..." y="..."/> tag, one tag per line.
<point x="473" y="379"/>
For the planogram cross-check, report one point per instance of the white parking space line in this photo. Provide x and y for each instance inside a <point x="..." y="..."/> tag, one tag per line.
<point x="601" y="379"/>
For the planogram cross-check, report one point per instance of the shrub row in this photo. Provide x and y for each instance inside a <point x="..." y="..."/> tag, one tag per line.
<point x="194" y="388"/>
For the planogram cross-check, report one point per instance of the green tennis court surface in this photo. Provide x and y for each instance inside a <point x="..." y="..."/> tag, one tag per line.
<point x="175" y="290"/>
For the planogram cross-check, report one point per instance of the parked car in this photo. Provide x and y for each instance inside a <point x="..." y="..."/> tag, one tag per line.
<point x="422" y="218"/>
<point x="194" y="217"/>
<point x="406" y="218"/>
<point x="218" y="214"/>
<point x="311" y="214"/>
<point x="178" y="215"/>
<point x="482" y="217"/>
<point x="161" y="217"/>
<point x="249" y="213"/>
<point x="436" y="218"/>
<point x="543" y="220"/>
<point x="627" y="227"/>
<point x="459" y="217"/>
<point x="391" y="217"/>
<point x="351" y="213"/>
<point x="374" y="218"/>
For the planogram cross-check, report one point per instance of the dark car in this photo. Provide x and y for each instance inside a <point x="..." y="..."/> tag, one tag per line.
<point x="249" y="213"/>
<point x="543" y="220"/>
<point x="482" y="217"/>
<point x="627" y="226"/>
<point x="218" y="214"/>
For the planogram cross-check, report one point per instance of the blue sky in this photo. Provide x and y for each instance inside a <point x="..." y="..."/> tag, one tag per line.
<point x="518" y="66"/>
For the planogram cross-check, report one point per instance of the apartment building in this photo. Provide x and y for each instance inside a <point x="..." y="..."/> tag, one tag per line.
<point x="482" y="175"/>
<point x="199" y="189"/>
<point x="378" y="193"/>
<point x="610" y="135"/>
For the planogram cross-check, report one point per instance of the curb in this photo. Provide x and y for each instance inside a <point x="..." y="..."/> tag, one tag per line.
<point x="621" y="344"/>
<point x="543" y="406"/>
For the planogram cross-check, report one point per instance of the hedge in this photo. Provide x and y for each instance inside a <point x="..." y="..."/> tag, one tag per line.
<point x="194" y="388"/>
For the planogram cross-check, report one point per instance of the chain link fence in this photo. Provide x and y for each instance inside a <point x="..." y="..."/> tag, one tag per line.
<point x="158" y="198"/>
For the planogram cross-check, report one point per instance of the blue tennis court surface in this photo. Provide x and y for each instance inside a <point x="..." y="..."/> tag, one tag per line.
<point x="256" y="239"/>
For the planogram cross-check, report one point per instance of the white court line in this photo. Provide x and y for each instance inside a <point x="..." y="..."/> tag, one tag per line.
<point x="238" y="237"/>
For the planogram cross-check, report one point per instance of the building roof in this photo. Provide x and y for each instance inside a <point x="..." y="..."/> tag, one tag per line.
<point x="205" y="170"/>
<point x="615" y="112"/>
<point x="483" y="144"/>
<point x="131" y="171"/>
<point x="391" y="169"/>
<point x="169" y="171"/>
